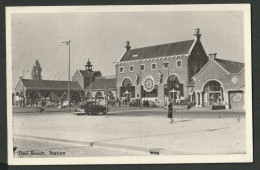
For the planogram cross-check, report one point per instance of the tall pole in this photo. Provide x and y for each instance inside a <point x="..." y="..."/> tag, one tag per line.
<point x="168" y="79"/>
<point x="140" y="83"/>
<point x="68" y="43"/>
<point x="69" y="81"/>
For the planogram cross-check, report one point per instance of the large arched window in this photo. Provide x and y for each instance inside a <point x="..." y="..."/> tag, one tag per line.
<point x="213" y="93"/>
<point x="127" y="83"/>
<point x="75" y="97"/>
<point x="127" y="90"/>
<point x="173" y="82"/>
<point x="173" y="85"/>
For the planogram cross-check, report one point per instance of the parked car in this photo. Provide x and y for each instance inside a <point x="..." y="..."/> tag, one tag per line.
<point x="64" y="104"/>
<point x="90" y="108"/>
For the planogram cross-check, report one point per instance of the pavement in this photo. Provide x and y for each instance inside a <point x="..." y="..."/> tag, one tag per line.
<point x="131" y="132"/>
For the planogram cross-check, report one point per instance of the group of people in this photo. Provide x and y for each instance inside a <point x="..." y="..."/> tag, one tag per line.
<point x="146" y="103"/>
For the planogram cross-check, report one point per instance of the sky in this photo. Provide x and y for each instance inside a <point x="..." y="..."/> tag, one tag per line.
<point x="101" y="38"/>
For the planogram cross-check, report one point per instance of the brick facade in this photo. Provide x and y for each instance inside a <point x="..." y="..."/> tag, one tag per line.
<point x="187" y="53"/>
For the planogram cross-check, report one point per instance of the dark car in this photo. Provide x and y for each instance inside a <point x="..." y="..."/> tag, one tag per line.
<point x="90" y="108"/>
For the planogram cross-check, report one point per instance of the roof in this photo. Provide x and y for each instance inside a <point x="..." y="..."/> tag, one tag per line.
<point x="50" y="85"/>
<point x="230" y="66"/>
<point x="176" y="48"/>
<point x="84" y="73"/>
<point x="101" y="82"/>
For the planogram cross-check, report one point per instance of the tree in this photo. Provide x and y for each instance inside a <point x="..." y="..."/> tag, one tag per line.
<point x="97" y="74"/>
<point x="33" y="74"/>
<point x="36" y="71"/>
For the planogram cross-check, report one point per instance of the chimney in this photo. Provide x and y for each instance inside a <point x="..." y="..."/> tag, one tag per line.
<point x="197" y="34"/>
<point x="212" y="56"/>
<point x="127" y="45"/>
<point x="20" y="78"/>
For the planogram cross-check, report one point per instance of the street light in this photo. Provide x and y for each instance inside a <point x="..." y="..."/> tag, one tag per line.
<point x="140" y="84"/>
<point x="24" y="96"/>
<point x="68" y="43"/>
<point x="116" y="65"/>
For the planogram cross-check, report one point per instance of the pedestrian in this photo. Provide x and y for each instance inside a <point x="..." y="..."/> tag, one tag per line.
<point x="170" y="112"/>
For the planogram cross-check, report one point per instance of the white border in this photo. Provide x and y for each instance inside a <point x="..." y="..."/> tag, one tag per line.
<point x="248" y="157"/>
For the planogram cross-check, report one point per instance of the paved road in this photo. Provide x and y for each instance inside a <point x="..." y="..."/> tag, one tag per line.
<point x="179" y="114"/>
<point x="133" y="132"/>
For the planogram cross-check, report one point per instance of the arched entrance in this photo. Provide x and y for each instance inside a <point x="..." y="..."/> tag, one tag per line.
<point x="213" y="93"/>
<point x="34" y="98"/>
<point x="174" y="89"/>
<point x="89" y="95"/>
<point x="75" y="98"/>
<point x="98" y="95"/>
<point x="47" y="96"/>
<point x="127" y="91"/>
<point x="110" y="96"/>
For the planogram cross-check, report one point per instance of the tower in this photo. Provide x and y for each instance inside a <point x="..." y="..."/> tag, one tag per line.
<point x="88" y="66"/>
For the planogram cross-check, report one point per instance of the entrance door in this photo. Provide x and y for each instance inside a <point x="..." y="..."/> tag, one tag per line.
<point x="215" y="98"/>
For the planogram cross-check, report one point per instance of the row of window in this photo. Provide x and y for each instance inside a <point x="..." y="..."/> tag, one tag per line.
<point x="153" y="66"/>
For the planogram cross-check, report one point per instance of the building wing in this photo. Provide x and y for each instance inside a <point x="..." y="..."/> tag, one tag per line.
<point x="50" y="85"/>
<point x="231" y="66"/>
<point x="100" y="83"/>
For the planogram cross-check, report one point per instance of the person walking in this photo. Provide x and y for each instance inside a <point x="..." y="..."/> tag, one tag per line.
<point x="170" y="112"/>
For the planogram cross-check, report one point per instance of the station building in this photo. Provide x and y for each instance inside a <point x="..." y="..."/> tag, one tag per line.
<point x="33" y="91"/>
<point x="161" y="71"/>
<point x="179" y="71"/>
<point x="94" y="85"/>
<point x="219" y="82"/>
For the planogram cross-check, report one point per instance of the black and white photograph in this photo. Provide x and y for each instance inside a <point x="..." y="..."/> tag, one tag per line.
<point x="144" y="84"/>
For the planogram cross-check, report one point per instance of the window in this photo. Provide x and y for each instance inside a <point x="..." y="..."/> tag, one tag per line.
<point x="135" y="55"/>
<point x="179" y="63"/>
<point x="131" y="68"/>
<point x="142" y="67"/>
<point x="121" y="69"/>
<point x="166" y="65"/>
<point x="154" y="66"/>
<point x="127" y="90"/>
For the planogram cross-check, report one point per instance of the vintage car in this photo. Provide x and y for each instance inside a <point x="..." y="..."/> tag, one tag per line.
<point x="90" y="108"/>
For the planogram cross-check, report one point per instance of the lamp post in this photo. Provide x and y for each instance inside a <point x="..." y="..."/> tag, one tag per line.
<point x="140" y="84"/>
<point x="116" y="65"/>
<point x="24" y="96"/>
<point x="68" y="43"/>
